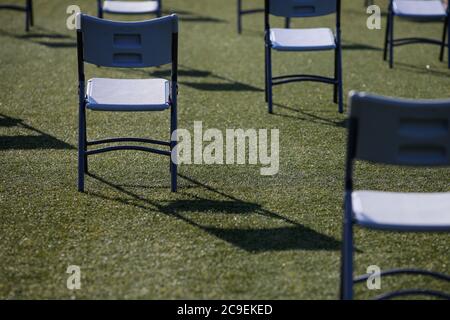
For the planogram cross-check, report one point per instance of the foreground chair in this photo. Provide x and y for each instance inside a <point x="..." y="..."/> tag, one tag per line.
<point x="126" y="45"/>
<point x="315" y="39"/>
<point x="421" y="10"/>
<point x="396" y="132"/>
<point x="28" y="9"/>
<point x="241" y="12"/>
<point x="129" y="7"/>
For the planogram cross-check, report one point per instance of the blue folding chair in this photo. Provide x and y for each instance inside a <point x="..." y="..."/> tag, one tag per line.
<point x="315" y="39"/>
<point x="395" y="132"/>
<point x="421" y="10"/>
<point x="241" y="12"/>
<point x="129" y="7"/>
<point x="28" y="9"/>
<point x="127" y="45"/>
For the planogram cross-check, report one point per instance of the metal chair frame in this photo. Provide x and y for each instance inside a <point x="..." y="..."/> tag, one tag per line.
<point x="390" y="42"/>
<point x="83" y="142"/>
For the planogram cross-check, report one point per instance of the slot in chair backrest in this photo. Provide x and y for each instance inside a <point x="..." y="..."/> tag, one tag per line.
<point x="128" y="44"/>
<point x="302" y="8"/>
<point x="400" y="131"/>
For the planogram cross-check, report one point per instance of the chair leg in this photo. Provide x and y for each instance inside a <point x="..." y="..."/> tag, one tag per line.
<point x="173" y="165"/>
<point x="336" y="78"/>
<point x="28" y="15"/>
<point x="239" y="17"/>
<point x="32" y="13"/>
<point x="81" y="146"/>
<point x="100" y="9"/>
<point x="446" y="32"/>
<point x="86" y="171"/>
<point x="287" y="23"/>
<point x="173" y="175"/>
<point x="391" y="41"/>
<point x="386" y="37"/>
<point x="340" y="84"/>
<point x="266" y="86"/>
<point x="346" y="287"/>
<point x="269" y="78"/>
<point x="268" y="69"/>
<point x="444" y="36"/>
<point x="266" y="80"/>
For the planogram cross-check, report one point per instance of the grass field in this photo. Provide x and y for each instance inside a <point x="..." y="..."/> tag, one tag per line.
<point x="229" y="233"/>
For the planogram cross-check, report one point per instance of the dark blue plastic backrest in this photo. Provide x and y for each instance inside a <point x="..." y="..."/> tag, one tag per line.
<point x="128" y="44"/>
<point x="302" y="8"/>
<point x="400" y="131"/>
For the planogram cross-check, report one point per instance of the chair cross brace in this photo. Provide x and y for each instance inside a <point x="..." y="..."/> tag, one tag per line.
<point x="302" y="77"/>
<point x="138" y="148"/>
<point x="392" y="272"/>
<point x="405" y="41"/>
<point x="412" y="292"/>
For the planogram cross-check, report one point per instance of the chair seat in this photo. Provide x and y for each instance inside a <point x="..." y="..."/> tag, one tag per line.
<point x="419" y="8"/>
<point x="130" y="7"/>
<point x="302" y="39"/>
<point x="128" y="94"/>
<point x="402" y="211"/>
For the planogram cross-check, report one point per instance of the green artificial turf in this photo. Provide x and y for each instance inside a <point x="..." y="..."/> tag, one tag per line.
<point x="229" y="233"/>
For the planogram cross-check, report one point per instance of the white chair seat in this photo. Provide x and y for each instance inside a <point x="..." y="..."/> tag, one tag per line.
<point x="128" y="95"/>
<point x="302" y="39"/>
<point x="419" y="8"/>
<point x="402" y="211"/>
<point x="130" y="7"/>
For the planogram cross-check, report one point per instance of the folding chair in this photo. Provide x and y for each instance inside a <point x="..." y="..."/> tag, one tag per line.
<point x="395" y="132"/>
<point x="28" y="9"/>
<point x="315" y="39"/>
<point x="420" y="10"/>
<point x="126" y="45"/>
<point x="129" y="7"/>
<point x="241" y="12"/>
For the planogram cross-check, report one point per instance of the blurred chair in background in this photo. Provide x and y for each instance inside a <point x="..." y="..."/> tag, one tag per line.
<point x="129" y="7"/>
<point x="395" y="132"/>
<point x="420" y="10"/>
<point x="127" y="45"/>
<point x="313" y="39"/>
<point x="241" y="12"/>
<point x="28" y="9"/>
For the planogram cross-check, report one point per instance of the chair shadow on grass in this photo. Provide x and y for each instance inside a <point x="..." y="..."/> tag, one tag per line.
<point x="359" y="46"/>
<point x="306" y="116"/>
<point x="421" y="70"/>
<point x="225" y="84"/>
<point x="45" y="38"/>
<point x="214" y="82"/>
<point x="294" y="236"/>
<point x="39" y="140"/>
<point x="187" y="16"/>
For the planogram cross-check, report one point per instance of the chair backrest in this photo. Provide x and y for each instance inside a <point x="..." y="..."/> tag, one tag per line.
<point x="400" y="131"/>
<point x="302" y="8"/>
<point x="128" y="44"/>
